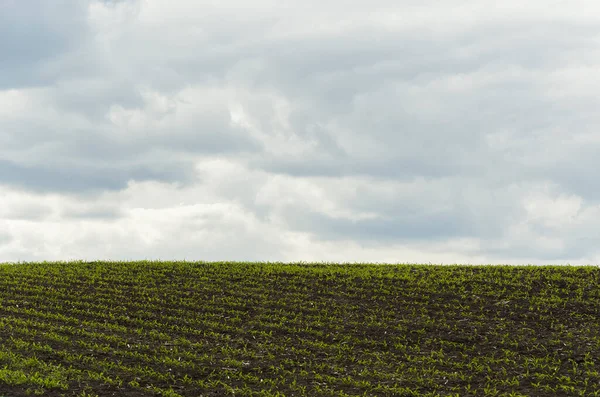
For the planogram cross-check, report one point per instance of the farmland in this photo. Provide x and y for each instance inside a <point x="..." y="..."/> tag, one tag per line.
<point x="152" y="328"/>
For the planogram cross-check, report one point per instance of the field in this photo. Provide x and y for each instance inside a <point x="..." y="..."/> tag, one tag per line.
<point x="270" y="329"/>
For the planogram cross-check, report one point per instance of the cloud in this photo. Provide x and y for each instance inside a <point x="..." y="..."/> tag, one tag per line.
<point x="5" y="238"/>
<point x="94" y="211"/>
<point x="81" y="179"/>
<point x="321" y="131"/>
<point x="36" y="38"/>
<point x="62" y="150"/>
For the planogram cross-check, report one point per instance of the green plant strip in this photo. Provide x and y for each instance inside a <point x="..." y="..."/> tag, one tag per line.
<point x="154" y="328"/>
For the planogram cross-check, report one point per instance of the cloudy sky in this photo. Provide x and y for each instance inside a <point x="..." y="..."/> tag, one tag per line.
<point x="396" y="131"/>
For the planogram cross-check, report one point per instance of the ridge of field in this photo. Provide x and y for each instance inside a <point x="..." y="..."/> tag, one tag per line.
<point x="152" y="328"/>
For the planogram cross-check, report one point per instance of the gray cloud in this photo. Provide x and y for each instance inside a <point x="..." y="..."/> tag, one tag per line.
<point x="409" y="227"/>
<point x="444" y="123"/>
<point x="572" y="166"/>
<point x="429" y="105"/>
<point x="34" y="36"/>
<point x="419" y="211"/>
<point x="78" y="178"/>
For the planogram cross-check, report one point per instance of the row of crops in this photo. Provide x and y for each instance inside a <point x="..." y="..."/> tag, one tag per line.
<point x="270" y="329"/>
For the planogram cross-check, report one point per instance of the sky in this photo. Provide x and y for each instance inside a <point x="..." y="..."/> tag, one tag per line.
<point x="380" y="131"/>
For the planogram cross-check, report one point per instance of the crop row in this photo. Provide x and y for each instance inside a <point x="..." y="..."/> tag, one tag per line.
<point x="268" y="329"/>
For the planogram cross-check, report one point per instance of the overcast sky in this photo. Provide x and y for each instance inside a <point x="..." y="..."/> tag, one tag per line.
<point x="396" y="131"/>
